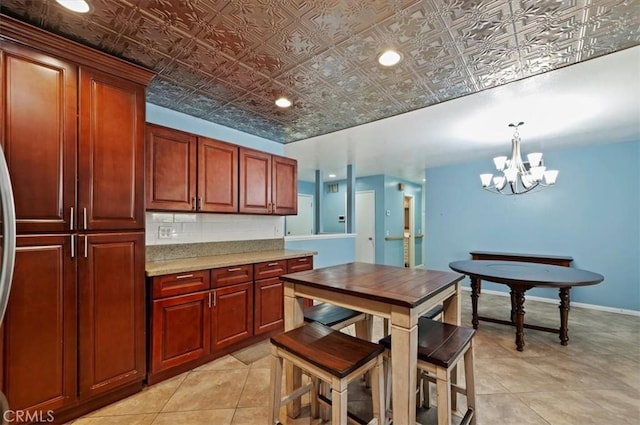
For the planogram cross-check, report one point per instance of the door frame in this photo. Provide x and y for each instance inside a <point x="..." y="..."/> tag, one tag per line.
<point x="412" y="223"/>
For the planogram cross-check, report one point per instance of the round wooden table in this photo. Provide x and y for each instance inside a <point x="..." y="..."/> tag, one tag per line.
<point x="520" y="277"/>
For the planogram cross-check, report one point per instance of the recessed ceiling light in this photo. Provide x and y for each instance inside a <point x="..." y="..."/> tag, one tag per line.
<point x="283" y="102"/>
<point x="389" y="58"/>
<point x="332" y="176"/>
<point x="80" y="6"/>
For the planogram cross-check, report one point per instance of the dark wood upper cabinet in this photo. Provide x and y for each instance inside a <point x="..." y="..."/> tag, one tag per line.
<point x="284" y="192"/>
<point x="110" y="152"/>
<point x="185" y="172"/>
<point x="217" y="176"/>
<point x="170" y="169"/>
<point x="38" y="122"/>
<point x="255" y="181"/>
<point x="268" y="183"/>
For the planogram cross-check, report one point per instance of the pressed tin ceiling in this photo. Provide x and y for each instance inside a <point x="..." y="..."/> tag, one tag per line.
<point x="227" y="61"/>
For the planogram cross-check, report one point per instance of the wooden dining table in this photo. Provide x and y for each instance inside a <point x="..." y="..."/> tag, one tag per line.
<point x="399" y="294"/>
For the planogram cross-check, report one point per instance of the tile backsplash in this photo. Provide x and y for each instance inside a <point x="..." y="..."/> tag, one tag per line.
<point x="178" y="228"/>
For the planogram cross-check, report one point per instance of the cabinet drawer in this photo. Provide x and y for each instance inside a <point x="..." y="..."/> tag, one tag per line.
<point x="180" y="283"/>
<point x="270" y="269"/>
<point x="299" y="264"/>
<point x="225" y="276"/>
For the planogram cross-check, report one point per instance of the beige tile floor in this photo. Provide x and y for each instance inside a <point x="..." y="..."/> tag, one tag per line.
<point x="595" y="380"/>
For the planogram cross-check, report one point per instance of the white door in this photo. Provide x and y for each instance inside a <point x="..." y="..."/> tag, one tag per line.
<point x="366" y="226"/>
<point x="301" y="224"/>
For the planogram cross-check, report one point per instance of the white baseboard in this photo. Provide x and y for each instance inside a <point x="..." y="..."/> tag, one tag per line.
<point x="556" y="301"/>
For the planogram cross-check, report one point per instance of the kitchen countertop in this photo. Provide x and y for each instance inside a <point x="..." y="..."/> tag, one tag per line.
<point x="182" y="265"/>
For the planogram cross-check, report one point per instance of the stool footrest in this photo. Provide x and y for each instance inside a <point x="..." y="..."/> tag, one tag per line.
<point x="352" y="418"/>
<point x="298" y="392"/>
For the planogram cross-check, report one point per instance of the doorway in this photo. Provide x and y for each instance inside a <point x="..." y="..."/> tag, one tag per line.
<point x="409" y="234"/>
<point x="365" y="226"/>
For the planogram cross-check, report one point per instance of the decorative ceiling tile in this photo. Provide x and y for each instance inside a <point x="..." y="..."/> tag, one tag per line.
<point x="227" y="60"/>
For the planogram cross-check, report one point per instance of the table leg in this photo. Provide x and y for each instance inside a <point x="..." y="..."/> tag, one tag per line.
<point x="513" y="306"/>
<point x="519" y="316"/>
<point x="475" y="292"/>
<point x="404" y="346"/>
<point x="452" y="308"/>
<point x="293" y="318"/>
<point x="564" y="315"/>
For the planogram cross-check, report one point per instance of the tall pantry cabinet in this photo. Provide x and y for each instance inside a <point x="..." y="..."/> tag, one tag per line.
<point x="72" y="129"/>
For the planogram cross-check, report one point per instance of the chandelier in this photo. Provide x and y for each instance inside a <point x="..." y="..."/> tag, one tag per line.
<point x="518" y="177"/>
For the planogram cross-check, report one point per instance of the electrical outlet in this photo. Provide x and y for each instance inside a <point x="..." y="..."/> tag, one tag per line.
<point x="164" y="232"/>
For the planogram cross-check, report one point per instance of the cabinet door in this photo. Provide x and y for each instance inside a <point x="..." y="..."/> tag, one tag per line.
<point x="171" y="169"/>
<point x="110" y="152"/>
<point x="38" y="122"/>
<point x="268" y="306"/>
<point x="255" y="181"/>
<point x="39" y="352"/>
<point x="232" y="319"/>
<point x="285" y="186"/>
<point x="217" y="176"/>
<point x="111" y="311"/>
<point x="180" y="330"/>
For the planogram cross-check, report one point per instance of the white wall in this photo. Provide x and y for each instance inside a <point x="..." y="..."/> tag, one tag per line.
<point x="193" y="228"/>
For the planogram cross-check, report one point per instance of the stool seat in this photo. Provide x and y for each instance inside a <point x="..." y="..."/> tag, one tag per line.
<point x="334" y="352"/>
<point x="434" y="312"/>
<point x="438" y="343"/>
<point x="329" y="314"/>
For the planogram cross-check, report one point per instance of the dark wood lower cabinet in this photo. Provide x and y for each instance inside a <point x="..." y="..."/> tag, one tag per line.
<point x="73" y="335"/>
<point x="198" y="316"/>
<point x="180" y="329"/>
<point x="268" y="305"/>
<point x="39" y="342"/>
<point x="232" y="316"/>
<point x="111" y="311"/>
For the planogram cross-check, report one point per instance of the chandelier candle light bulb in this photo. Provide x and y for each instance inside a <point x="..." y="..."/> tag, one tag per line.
<point x="522" y="177"/>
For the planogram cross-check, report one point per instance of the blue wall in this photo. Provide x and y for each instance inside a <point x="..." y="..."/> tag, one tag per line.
<point x="306" y="188"/>
<point x="592" y="214"/>
<point x="331" y="251"/>
<point x="387" y="197"/>
<point x="334" y="205"/>
<point x="173" y="119"/>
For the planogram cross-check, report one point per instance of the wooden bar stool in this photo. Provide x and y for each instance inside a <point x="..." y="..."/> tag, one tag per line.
<point x="333" y="316"/>
<point x="331" y="356"/>
<point x="440" y="347"/>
